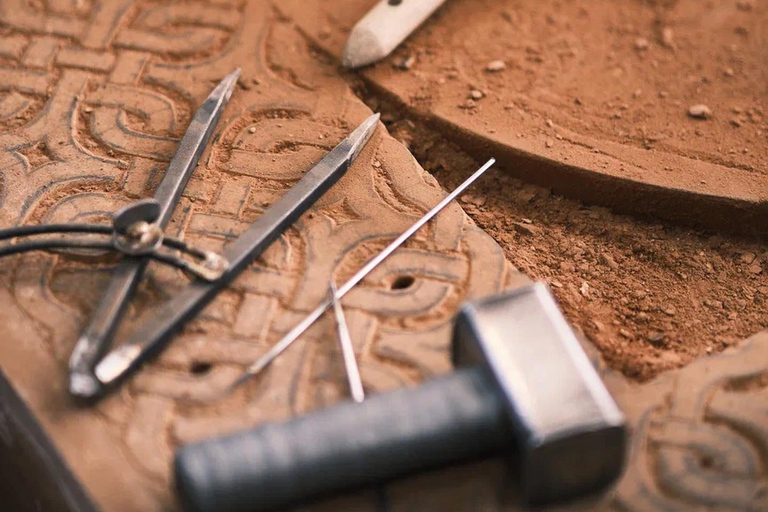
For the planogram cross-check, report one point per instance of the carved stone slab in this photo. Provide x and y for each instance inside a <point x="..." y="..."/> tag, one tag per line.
<point x="93" y="99"/>
<point x="590" y="98"/>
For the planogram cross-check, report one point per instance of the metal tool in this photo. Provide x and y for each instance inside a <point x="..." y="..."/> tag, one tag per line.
<point x="157" y="331"/>
<point x="524" y="389"/>
<point x="310" y="319"/>
<point x="207" y="265"/>
<point x="385" y="26"/>
<point x="347" y="349"/>
<point x="141" y="226"/>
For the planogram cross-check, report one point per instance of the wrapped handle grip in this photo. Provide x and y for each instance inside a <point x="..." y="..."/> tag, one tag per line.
<point x="449" y="419"/>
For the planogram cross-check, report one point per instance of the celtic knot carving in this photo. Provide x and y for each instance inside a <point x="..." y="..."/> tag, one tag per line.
<point x="94" y="97"/>
<point x="703" y="442"/>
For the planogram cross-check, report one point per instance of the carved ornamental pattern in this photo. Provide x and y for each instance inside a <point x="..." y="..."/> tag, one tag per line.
<point x="94" y="96"/>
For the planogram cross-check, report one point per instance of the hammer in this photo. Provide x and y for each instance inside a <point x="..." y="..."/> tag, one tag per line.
<point x="525" y="388"/>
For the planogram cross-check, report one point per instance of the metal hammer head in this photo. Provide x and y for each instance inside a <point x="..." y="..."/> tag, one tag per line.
<point x="571" y="435"/>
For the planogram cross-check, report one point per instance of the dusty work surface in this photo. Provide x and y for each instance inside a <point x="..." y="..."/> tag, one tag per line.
<point x="503" y="77"/>
<point x="593" y="98"/>
<point x="93" y="98"/>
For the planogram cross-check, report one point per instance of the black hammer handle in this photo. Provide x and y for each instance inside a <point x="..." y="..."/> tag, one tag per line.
<point x="453" y="418"/>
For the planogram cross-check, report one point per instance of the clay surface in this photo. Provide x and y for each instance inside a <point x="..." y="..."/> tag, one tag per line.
<point x="585" y="81"/>
<point x="592" y="99"/>
<point x="92" y="112"/>
<point x="93" y="99"/>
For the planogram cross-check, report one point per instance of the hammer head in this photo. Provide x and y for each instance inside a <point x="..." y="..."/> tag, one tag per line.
<point x="571" y="433"/>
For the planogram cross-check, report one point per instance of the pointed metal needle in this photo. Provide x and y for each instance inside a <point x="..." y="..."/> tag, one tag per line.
<point x="297" y="331"/>
<point x="157" y="330"/>
<point x="97" y="336"/>
<point x="347" y="349"/>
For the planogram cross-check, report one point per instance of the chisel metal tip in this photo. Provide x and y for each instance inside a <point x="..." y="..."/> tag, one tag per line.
<point x="361" y="135"/>
<point x="84" y="385"/>
<point x="227" y="86"/>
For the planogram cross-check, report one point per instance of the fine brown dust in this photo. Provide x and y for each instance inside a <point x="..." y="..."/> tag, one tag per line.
<point x="652" y="296"/>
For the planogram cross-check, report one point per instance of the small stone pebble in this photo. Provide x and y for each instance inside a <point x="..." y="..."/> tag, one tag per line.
<point x="728" y="72"/>
<point x="748" y="257"/>
<point x="252" y="129"/>
<point x="496" y="66"/>
<point x="607" y="259"/>
<point x="549" y="143"/>
<point x="476" y="95"/>
<point x="524" y="229"/>
<point x="475" y="200"/>
<point x="406" y="62"/>
<point x="700" y="112"/>
<point x="641" y="43"/>
<point x="668" y="37"/>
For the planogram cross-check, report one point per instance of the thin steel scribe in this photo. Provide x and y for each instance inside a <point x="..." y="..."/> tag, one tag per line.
<point x="310" y="319"/>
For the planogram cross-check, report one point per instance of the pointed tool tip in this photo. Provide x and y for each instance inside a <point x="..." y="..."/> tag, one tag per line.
<point x="362" y="134"/>
<point x="83" y="385"/>
<point x="116" y="364"/>
<point x="233" y="76"/>
<point x="227" y="85"/>
<point x="247" y="375"/>
<point x="370" y="123"/>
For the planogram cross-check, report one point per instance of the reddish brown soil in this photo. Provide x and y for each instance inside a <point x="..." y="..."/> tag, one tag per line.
<point x="643" y="106"/>
<point x="650" y="295"/>
<point x="579" y="81"/>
